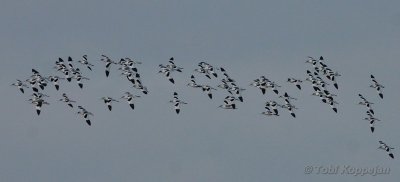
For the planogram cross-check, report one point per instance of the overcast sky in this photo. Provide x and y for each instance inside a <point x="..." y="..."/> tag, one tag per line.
<point x="203" y="142"/>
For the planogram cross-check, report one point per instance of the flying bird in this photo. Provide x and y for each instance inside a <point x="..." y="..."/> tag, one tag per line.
<point x="54" y="80"/>
<point x="85" y="114"/>
<point x="20" y="85"/>
<point x="38" y="103"/>
<point x="377" y="86"/>
<point x="108" y="62"/>
<point x="85" y="62"/>
<point x="386" y="148"/>
<point x="371" y="120"/>
<point x="66" y="100"/>
<point x="297" y="82"/>
<point x="129" y="98"/>
<point x="108" y="101"/>
<point x="177" y="103"/>
<point x="207" y="89"/>
<point x="365" y="102"/>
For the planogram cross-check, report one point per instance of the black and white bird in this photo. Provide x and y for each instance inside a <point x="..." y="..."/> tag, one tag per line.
<point x="36" y="80"/>
<point x="193" y="83"/>
<point x="206" y="69"/>
<point x="129" y="98"/>
<point x="229" y="103"/>
<point x="371" y="118"/>
<point x="108" y="62"/>
<point x="167" y="73"/>
<point x="177" y="103"/>
<point x="131" y="62"/>
<point x="20" y="85"/>
<point x="289" y="107"/>
<point x="67" y="100"/>
<point x="108" y="101"/>
<point x="377" y="86"/>
<point x="38" y="103"/>
<point x="366" y="103"/>
<point x="287" y="97"/>
<point x="273" y="106"/>
<point x="142" y="88"/>
<point x="227" y="77"/>
<point x="79" y="79"/>
<point x="32" y="83"/>
<point x="333" y="104"/>
<point x="268" y="112"/>
<point x="207" y="89"/>
<point x="169" y="68"/>
<point x="172" y="66"/>
<point x="85" y="62"/>
<point x="54" y="80"/>
<point x="85" y="114"/>
<point x="297" y="82"/>
<point x="263" y="84"/>
<point x="236" y="91"/>
<point x="386" y="148"/>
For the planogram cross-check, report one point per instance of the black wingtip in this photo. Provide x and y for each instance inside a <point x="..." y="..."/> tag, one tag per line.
<point x="70" y="105"/>
<point x="381" y="95"/>
<point x="69" y="79"/>
<point x="240" y="99"/>
<point x="210" y="96"/>
<point x="294" y="115"/>
<point x="172" y="81"/>
<point x="38" y="112"/>
<point x="88" y="122"/>
<point x="371" y="111"/>
<point x="35" y="89"/>
<point x="107" y="73"/>
<point x="132" y="106"/>
<point x="109" y="107"/>
<point x="391" y="155"/>
<point x="276" y="91"/>
<point x="89" y="68"/>
<point x="336" y="85"/>
<point x="215" y="74"/>
<point x="335" y="109"/>
<point x="299" y="87"/>
<point x="263" y="91"/>
<point x="22" y="90"/>
<point x="80" y="85"/>
<point x="177" y="111"/>
<point x="57" y="87"/>
<point x="372" y="129"/>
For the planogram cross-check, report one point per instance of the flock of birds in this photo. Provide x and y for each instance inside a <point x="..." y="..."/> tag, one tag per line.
<point x="319" y="79"/>
<point x="371" y="114"/>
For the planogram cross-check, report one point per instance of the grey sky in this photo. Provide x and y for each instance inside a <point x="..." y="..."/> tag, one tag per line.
<point x="203" y="143"/>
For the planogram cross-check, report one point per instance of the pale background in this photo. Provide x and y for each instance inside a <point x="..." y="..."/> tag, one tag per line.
<point x="203" y="143"/>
